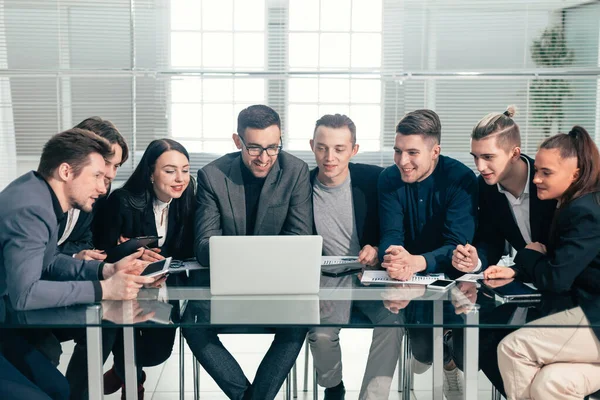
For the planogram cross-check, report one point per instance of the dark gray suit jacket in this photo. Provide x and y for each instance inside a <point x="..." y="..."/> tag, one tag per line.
<point x="284" y="206"/>
<point x="32" y="272"/>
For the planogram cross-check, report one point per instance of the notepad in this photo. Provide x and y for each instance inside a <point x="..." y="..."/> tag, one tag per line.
<point x="376" y="276"/>
<point x="338" y="260"/>
<point x="470" y="277"/>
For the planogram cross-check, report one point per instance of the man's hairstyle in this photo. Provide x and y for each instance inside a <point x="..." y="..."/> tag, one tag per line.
<point x="257" y="117"/>
<point x="73" y="147"/>
<point x="108" y="130"/>
<point x="337" y="121"/>
<point x="500" y="125"/>
<point x="421" y="122"/>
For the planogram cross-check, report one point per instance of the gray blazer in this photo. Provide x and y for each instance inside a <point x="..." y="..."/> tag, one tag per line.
<point x="284" y="206"/>
<point x="32" y="272"/>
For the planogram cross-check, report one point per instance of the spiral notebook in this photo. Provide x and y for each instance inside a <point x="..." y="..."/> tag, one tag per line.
<point x="376" y="276"/>
<point x="338" y="260"/>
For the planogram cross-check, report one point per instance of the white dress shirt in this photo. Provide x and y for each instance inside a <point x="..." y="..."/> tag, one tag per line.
<point x="72" y="216"/>
<point x="161" y="219"/>
<point x="520" y="207"/>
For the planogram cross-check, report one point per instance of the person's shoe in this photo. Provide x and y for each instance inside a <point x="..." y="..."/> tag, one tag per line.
<point x="336" y="393"/>
<point x="417" y="367"/>
<point x="453" y="384"/>
<point x="140" y="388"/>
<point x="112" y="382"/>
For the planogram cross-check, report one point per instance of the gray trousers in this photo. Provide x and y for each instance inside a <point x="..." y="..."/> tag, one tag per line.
<point x="381" y="363"/>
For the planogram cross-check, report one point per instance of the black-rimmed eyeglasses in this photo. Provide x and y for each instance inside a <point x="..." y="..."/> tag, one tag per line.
<point x="256" y="151"/>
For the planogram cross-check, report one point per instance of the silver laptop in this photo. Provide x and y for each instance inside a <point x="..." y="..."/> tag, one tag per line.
<point x="265" y="265"/>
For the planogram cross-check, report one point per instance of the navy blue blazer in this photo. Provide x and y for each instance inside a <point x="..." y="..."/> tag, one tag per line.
<point x="497" y="223"/>
<point x="363" y="179"/>
<point x="431" y="217"/>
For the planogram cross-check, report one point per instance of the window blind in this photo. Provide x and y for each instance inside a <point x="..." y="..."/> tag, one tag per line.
<point x="185" y="68"/>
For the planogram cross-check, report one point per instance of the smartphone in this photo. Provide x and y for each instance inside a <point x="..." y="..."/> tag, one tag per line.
<point x="157" y="268"/>
<point x="441" y="284"/>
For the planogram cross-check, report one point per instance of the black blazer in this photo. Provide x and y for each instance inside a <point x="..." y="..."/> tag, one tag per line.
<point x="119" y="217"/>
<point x="497" y="224"/>
<point x="364" y="178"/>
<point x="573" y="260"/>
<point x="81" y="236"/>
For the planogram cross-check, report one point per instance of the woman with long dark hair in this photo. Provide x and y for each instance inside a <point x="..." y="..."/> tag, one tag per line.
<point x="160" y="184"/>
<point x="560" y="363"/>
<point x="157" y="200"/>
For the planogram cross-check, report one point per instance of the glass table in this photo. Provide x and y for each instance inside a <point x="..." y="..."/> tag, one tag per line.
<point x="342" y="302"/>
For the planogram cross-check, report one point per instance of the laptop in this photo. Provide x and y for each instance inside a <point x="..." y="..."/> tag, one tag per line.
<point x="265" y="265"/>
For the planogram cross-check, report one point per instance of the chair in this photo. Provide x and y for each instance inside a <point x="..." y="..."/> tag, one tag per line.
<point x="403" y="365"/>
<point x="196" y="367"/>
<point x="496" y="394"/>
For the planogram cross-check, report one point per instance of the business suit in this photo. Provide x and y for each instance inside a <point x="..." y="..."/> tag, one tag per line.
<point x="284" y="208"/>
<point x="153" y="346"/>
<point x="497" y="224"/>
<point x="560" y="363"/>
<point x="129" y="221"/>
<point x="80" y="237"/>
<point x="31" y="272"/>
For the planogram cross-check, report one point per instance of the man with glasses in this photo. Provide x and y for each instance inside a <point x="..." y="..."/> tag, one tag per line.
<point x="260" y="190"/>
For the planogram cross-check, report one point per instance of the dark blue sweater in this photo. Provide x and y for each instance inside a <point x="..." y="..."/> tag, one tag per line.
<point x="431" y="217"/>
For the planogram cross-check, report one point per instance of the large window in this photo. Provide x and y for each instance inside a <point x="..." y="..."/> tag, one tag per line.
<point x="185" y="68"/>
<point x="340" y="41"/>
<point x="225" y="39"/>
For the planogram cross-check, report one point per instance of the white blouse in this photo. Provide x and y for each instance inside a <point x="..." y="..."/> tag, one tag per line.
<point x="161" y="218"/>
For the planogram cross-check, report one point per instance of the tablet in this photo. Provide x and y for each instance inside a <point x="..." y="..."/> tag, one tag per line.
<point x="337" y="271"/>
<point x="129" y="247"/>
<point x="157" y="268"/>
<point x="513" y="291"/>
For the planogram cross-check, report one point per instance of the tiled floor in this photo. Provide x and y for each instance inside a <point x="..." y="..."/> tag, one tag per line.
<point x="162" y="382"/>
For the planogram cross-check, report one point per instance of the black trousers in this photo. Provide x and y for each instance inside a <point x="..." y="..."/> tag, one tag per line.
<point x="77" y="372"/>
<point x="25" y="372"/>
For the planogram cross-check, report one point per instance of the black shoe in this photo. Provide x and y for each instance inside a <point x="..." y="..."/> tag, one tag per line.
<point x="336" y="393"/>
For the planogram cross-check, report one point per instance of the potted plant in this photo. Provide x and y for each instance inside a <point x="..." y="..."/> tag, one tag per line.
<point x="547" y="95"/>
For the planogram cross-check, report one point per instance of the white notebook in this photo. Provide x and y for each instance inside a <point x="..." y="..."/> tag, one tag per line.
<point x="338" y="260"/>
<point x="376" y="276"/>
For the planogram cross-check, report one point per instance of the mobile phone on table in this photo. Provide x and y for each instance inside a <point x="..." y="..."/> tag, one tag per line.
<point x="441" y="284"/>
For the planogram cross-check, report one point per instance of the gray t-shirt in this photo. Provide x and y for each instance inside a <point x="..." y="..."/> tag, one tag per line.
<point x="334" y="218"/>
